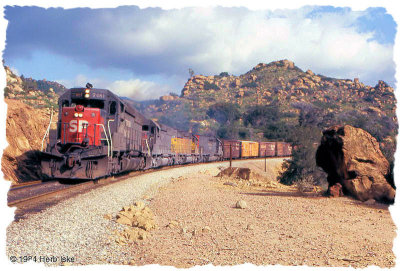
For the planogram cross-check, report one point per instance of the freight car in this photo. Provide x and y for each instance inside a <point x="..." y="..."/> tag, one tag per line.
<point x="99" y="134"/>
<point x="249" y="149"/>
<point x="231" y="149"/>
<point x="283" y="149"/>
<point x="267" y="149"/>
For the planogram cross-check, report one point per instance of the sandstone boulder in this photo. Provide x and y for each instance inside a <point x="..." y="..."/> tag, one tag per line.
<point x="241" y="204"/>
<point x="352" y="157"/>
<point x="335" y="190"/>
<point x="139" y="219"/>
<point x="236" y="172"/>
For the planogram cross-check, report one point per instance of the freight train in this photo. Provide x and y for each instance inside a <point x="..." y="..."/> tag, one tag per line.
<point x="98" y="134"/>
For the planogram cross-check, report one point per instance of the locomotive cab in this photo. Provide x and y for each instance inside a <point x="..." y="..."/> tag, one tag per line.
<point x="82" y="119"/>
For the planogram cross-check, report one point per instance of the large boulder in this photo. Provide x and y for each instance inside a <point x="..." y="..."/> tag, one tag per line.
<point x="352" y="157"/>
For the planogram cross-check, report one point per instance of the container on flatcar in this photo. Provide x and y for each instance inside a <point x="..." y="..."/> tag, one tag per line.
<point x="226" y="144"/>
<point x="249" y="149"/>
<point x="267" y="149"/>
<point x="283" y="149"/>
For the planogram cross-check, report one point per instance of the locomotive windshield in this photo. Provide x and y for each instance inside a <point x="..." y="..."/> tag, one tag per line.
<point x="88" y="103"/>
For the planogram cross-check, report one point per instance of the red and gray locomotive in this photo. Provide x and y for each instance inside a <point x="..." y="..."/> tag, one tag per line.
<point x="99" y="134"/>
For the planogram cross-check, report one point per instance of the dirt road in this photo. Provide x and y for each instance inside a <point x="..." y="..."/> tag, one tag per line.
<point x="279" y="226"/>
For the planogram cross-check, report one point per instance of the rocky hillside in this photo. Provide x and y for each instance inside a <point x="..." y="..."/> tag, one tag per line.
<point x="25" y="127"/>
<point x="277" y="94"/>
<point x="37" y="93"/>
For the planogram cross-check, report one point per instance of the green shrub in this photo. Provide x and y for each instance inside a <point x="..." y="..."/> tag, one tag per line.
<point x="208" y="86"/>
<point x="302" y="165"/>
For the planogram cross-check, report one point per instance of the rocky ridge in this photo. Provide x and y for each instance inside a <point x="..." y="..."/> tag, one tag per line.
<point x="27" y="90"/>
<point x="25" y="127"/>
<point x="280" y="83"/>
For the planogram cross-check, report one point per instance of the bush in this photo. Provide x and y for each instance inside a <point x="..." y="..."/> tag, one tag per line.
<point x="249" y="85"/>
<point x="302" y="165"/>
<point x="7" y="92"/>
<point x="224" y="112"/>
<point x="228" y="132"/>
<point x="208" y="86"/>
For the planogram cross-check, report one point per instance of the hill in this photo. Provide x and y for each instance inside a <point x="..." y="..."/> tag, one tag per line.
<point x="270" y="98"/>
<point x="36" y="93"/>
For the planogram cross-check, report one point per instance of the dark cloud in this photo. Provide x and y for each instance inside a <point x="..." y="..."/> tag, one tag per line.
<point x="209" y="40"/>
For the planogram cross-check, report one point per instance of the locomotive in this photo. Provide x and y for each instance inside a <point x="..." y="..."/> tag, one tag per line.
<point x="99" y="134"/>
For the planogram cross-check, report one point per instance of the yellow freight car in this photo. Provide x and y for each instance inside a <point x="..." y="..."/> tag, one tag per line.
<point x="249" y="149"/>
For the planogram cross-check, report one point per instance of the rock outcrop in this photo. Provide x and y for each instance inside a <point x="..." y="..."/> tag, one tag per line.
<point x="25" y="127"/>
<point x="37" y="93"/>
<point x="352" y="157"/>
<point x="279" y="84"/>
<point x="139" y="219"/>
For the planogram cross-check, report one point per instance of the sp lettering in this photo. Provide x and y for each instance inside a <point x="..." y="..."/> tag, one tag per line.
<point x="77" y="125"/>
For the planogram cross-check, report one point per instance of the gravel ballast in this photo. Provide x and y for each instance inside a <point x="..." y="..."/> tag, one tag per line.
<point x="76" y="228"/>
<point x="199" y="223"/>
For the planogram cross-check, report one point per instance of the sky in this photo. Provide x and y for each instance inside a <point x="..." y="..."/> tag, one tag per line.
<point x="146" y="53"/>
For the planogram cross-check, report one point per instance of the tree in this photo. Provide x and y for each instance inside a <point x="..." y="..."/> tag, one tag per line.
<point x="224" y="112"/>
<point x="302" y="165"/>
<point x="191" y="72"/>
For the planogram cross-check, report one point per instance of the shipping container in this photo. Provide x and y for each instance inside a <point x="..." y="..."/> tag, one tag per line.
<point x="227" y="148"/>
<point x="249" y="149"/>
<point x="267" y="149"/>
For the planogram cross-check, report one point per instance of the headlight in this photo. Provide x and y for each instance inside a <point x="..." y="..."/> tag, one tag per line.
<point x="87" y="95"/>
<point x="87" y="91"/>
<point x="76" y="115"/>
<point x="80" y="115"/>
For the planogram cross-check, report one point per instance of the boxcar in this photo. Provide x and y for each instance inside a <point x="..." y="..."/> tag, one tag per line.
<point x="249" y="149"/>
<point x="283" y="149"/>
<point x="227" y="147"/>
<point x="267" y="149"/>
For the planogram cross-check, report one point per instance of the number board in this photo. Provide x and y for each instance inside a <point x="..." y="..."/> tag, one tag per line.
<point x="97" y="95"/>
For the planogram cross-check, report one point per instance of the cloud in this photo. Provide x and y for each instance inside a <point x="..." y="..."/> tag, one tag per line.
<point x="138" y="90"/>
<point x="135" y="89"/>
<point x="209" y="40"/>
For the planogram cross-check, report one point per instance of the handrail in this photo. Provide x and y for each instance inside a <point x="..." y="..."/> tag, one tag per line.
<point x="108" y="142"/>
<point x="148" y="148"/>
<point x="109" y="131"/>
<point x="48" y="128"/>
<point x="101" y="138"/>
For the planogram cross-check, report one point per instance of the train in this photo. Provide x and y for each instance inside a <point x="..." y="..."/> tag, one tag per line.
<point x="99" y="134"/>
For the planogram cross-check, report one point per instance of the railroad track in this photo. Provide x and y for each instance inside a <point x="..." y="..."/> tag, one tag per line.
<point x="36" y="192"/>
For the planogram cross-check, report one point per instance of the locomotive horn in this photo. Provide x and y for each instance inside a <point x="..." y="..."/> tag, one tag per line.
<point x="88" y="85"/>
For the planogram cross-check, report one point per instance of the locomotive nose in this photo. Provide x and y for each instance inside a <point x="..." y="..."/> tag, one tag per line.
<point x="79" y="108"/>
